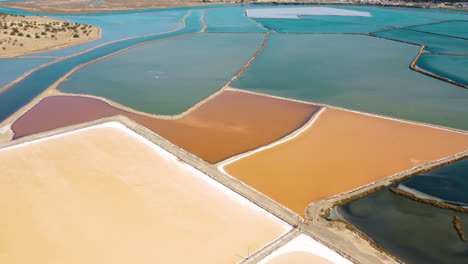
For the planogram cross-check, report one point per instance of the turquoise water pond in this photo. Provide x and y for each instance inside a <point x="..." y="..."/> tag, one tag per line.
<point x="434" y="43"/>
<point x="316" y="68"/>
<point x="231" y="20"/>
<point x="451" y="28"/>
<point x="170" y="76"/>
<point x="23" y="92"/>
<point x="414" y="232"/>
<point x="451" y="67"/>
<point x="357" y="72"/>
<point x="10" y="69"/>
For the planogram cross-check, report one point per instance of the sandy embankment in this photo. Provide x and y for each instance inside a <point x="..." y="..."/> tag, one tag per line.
<point x="229" y="124"/>
<point x="105" y="194"/>
<point x="339" y="152"/>
<point x="21" y="35"/>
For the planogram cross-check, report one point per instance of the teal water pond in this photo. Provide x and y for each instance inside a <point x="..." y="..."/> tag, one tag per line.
<point x="167" y="77"/>
<point x="357" y="72"/>
<point x="434" y="43"/>
<point x="452" y="67"/>
<point x="451" y="28"/>
<point x="231" y="20"/>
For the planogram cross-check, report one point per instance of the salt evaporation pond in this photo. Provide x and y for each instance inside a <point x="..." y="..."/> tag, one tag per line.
<point x="167" y="77"/>
<point x="366" y="74"/>
<point x="21" y="93"/>
<point x="448" y="184"/>
<point x="229" y="124"/>
<point x="340" y="151"/>
<point x="452" y="67"/>
<point x="106" y="194"/>
<point x="414" y="232"/>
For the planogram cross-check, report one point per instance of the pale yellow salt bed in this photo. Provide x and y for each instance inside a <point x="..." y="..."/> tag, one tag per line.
<point x="304" y="250"/>
<point x="107" y="195"/>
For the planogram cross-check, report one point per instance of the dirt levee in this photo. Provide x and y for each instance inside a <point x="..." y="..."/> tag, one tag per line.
<point x="339" y="152"/>
<point x="229" y="124"/>
<point x="107" y="195"/>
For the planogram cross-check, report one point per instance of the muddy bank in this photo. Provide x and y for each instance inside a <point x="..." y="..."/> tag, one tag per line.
<point x="229" y="124"/>
<point x="341" y="151"/>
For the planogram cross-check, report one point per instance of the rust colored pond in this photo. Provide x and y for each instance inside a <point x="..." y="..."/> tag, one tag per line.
<point x="105" y="194"/>
<point x="339" y="152"/>
<point x="229" y="124"/>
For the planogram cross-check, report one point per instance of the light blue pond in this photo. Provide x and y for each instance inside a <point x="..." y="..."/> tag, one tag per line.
<point x="357" y="72"/>
<point x="23" y="92"/>
<point x="116" y="27"/>
<point x="451" y="67"/>
<point x="167" y="77"/>
<point x="452" y="28"/>
<point x="434" y="43"/>
<point x="231" y="20"/>
<point x="10" y="69"/>
<point x="316" y="26"/>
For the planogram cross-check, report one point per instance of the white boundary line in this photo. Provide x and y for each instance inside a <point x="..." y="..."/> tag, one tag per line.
<point x="285" y="139"/>
<point x="304" y="243"/>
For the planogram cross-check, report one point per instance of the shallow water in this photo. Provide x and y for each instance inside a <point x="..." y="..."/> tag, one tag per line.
<point x="449" y="183"/>
<point x="454" y="68"/>
<point x="339" y="152"/>
<point x="414" y="232"/>
<point x="167" y="77"/>
<point x="23" y="92"/>
<point x="10" y="69"/>
<point x="367" y="74"/>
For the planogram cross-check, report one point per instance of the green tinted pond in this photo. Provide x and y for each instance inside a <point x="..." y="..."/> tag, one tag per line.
<point x="357" y="72"/>
<point x="167" y="77"/>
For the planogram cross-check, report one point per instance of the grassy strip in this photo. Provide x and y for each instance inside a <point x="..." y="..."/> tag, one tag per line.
<point x="429" y="201"/>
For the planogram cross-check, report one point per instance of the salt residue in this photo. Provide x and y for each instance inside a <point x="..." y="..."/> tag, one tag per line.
<point x="304" y="243"/>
